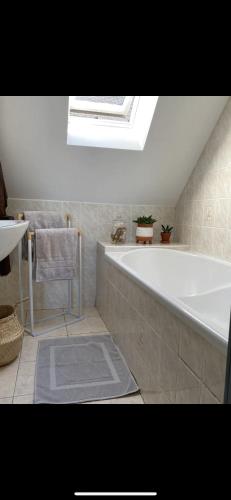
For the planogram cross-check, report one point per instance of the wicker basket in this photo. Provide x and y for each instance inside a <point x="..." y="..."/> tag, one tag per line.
<point x="11" y="334"/>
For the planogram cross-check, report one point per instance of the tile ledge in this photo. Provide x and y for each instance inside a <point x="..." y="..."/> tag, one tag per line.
<point x="129" y="246"/>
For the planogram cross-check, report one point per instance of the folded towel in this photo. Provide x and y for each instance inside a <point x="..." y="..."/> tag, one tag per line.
<point x="56" y="252"/>
<point x="40" y="220"/>
<point x="44" y="220"/>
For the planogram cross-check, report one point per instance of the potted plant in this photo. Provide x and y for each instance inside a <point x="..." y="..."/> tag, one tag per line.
<point x="166" y="234"/>
<point x="144" y="230"/>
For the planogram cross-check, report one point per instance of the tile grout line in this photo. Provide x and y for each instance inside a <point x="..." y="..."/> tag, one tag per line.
<point x="16" y="378"/>
<point x="22" y="396"/>
<point x="89" y="333"/>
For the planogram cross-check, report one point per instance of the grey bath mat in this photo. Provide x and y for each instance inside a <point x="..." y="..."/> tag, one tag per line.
<point x="80" y="369"/>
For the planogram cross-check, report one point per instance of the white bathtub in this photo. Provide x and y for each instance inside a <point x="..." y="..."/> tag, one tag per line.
<point x="195" y="287"/>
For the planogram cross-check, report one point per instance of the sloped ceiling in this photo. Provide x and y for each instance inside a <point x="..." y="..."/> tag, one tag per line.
<point x="38" y="164"/>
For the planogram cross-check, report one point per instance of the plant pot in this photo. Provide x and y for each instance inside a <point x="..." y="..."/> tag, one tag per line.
<point x="144" y="233"/>
<point x="165" y="238"/>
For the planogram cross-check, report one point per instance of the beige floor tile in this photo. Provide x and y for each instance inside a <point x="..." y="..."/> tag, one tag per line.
<point x="128" y="400"/>
<point x="43" y="313"/>
<point x="207" y="398"/>
<point x="49" y="323"/>
<point x="90" y="312"/>
<point x="23" y="400"/>
<point x="188" y="396"/>
<point x="8" y="376"/>
<point x="25" y="379"/>
<point x="78" y="328"/>
<point x="6" y="401"/>
<point x="158" y="398"/>
<point x="96" y="325"/>
<point x="58" y="332"/>
<point x="88" y="325"/>
<point x="29" y="349"/>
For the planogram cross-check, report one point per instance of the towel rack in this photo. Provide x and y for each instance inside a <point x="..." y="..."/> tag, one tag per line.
<point x="30" y="326"/>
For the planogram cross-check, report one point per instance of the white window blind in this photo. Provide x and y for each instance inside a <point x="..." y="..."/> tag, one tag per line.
<point x="108" y="99"/>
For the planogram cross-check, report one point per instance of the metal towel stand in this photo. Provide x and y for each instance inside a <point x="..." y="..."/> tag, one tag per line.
<point x="69" y="310"/>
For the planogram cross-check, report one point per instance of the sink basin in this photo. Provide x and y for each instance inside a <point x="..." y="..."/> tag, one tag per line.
<point x="11" y="232"/>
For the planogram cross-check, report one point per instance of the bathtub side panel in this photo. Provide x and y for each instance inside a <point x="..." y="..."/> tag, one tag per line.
<point x="171" y="363"/>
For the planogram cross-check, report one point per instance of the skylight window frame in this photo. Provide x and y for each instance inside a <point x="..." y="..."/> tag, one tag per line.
<point x="113" y="134"/>
<point x="101" y="108"/>
<point x="103" y="122"/>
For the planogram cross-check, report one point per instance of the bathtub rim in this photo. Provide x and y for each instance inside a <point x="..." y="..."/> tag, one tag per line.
<point x="184" y="312"/>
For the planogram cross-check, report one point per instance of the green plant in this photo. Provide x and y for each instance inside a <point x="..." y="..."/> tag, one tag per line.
<point x="167" y="229"/>
<point x="145" y="220"/>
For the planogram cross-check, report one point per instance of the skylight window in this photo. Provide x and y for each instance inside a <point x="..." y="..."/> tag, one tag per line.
<point x="112" y="108"/>
<point x="103" y="105"/>
<point x="120" y="122"/>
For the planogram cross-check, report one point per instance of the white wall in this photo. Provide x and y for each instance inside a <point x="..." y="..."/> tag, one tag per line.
<point x="39" y="165"/>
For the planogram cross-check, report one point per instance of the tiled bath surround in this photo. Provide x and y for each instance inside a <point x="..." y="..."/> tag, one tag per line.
<point x="95" y="222"/>
<point x="203" y="213"/>
<point x="171" y="362"/>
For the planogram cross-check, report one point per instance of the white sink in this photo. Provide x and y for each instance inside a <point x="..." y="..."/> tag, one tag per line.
<point x="11" y="232"/>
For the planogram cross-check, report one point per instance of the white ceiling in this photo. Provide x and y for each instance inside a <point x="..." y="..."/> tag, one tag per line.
<point x="38" y="163"/>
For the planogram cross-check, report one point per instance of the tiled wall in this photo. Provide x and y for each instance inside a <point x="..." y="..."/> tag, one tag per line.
<point x="203" y="213"/>
<point x="95" y="222"/>
<point x="171" y="362"/>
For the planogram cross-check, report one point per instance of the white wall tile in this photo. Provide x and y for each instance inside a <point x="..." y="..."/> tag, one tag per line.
<point x="205" y="203"/>
<point x="95" y="221"/>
